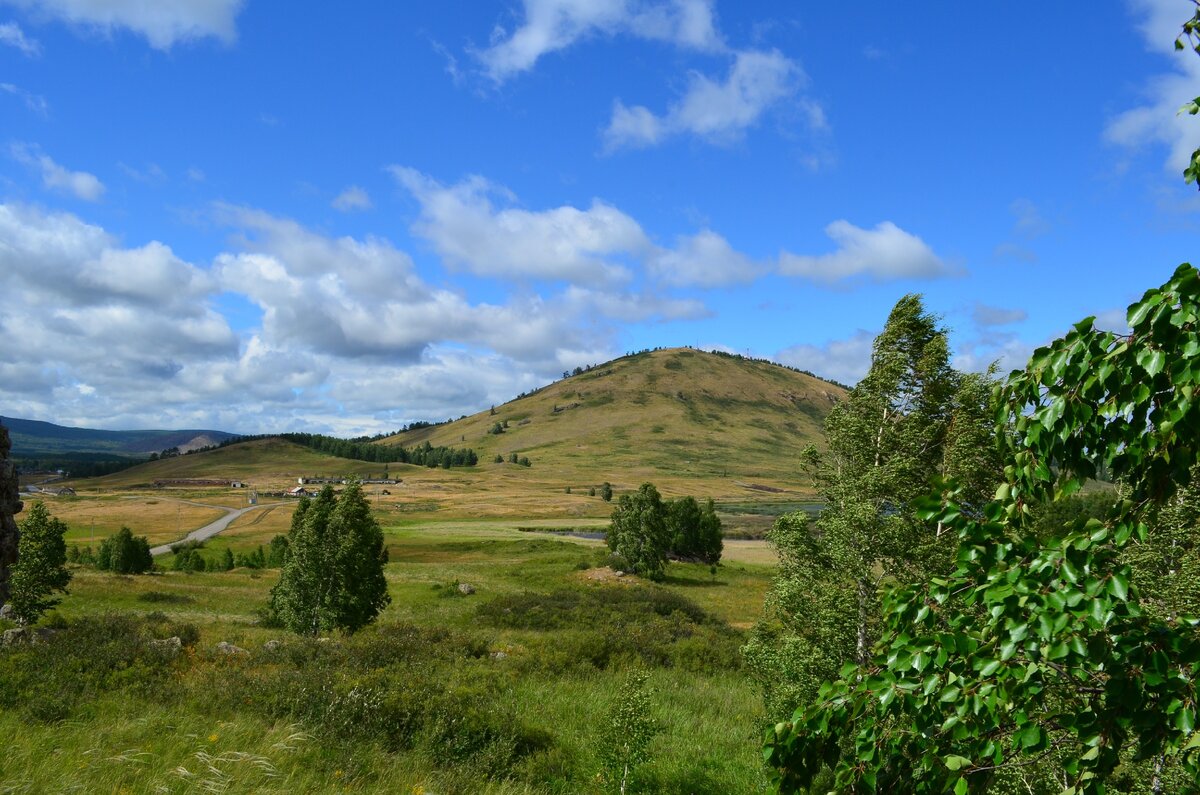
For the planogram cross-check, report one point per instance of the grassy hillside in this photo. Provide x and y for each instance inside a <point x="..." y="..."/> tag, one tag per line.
<point x="34" y="439"/>
<point x="674" y="416"/>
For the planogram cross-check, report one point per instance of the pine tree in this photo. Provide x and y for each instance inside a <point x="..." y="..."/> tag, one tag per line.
<point x="227" y="560"/>
<point x="40" y="569"/>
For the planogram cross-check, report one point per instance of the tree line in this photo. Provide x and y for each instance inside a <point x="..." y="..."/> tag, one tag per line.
<point x="422" y="455"/>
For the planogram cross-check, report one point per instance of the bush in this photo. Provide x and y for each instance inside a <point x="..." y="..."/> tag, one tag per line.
<point x="616" y="627"/>
<point x="124" y="553"/>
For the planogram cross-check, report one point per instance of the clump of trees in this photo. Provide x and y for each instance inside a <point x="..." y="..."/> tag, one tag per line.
<point x="40" y="570"/>
<point x="125" y="553"/>
<point x="1047" y="656"/>
<point x="332" y="575"/>
<point x="647" y="531"/>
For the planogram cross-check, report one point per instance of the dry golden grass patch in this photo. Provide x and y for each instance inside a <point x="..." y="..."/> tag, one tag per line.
<point x="91" y="519"/>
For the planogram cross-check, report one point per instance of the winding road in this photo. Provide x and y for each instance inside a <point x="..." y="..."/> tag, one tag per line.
<point x="212" y="528"/>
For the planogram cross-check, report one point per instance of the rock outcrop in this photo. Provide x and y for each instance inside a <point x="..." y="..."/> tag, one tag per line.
<point x="10" y="506"/>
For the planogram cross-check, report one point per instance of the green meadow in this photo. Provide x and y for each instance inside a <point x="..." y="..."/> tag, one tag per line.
<point x="505" y="690"/>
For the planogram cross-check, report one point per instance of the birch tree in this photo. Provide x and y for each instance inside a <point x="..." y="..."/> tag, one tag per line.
<point x="912" y="418"/>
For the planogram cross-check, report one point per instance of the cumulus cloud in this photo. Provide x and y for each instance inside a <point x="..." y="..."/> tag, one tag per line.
<point x="164" y="24"/>
<point x="552" y="25"/>
<point x="884" y="253"/>
<point x="597" y="246"/>
<point x="467" y="230"/>
<point x="12" y="36"/>
<point x="97" y="325"/>
<point x="718" y="111"/>
<point x="1157" y="120"/>
<point x="351" y="340"/>
<point x="703" y="260"/>
<point x="79" y="184"/>
<point x="845" y="361"/>
<point x="352" y="198"/>
<point x="985" y="315"/>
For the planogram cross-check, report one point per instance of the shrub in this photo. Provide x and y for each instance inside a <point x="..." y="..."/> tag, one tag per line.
<point x="124" y="553"/>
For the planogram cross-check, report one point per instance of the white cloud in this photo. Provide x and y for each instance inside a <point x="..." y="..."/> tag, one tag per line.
<point x="96" y="323"/>
<point x="845" y="361"/>
<point x="347" y="339"/>
<point x="1007" y="351"/>
<point x="599" y="246"/>
<point x="12" y="35"/>
<point x="552" y="25"/>
<point x="717" y="111"/>
<point x="704" y="260"/>
<point x="985" y="315"/>
<point x="79" y="184"/>
<point x="34" y="102"/>
<point x="884" y="253"/>
<point x="163" y="22"/>
<point x="1158" y="119"/>
<point x="352" y="198"/>
<point x="468" y="230"/>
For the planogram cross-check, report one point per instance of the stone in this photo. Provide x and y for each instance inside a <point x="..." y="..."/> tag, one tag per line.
<point x="10" y="506"/>
<point x="229" y="649"/>
<point x="6" y="612"/>
<point x="466" y="589"/>
<point x="620" y="574"/>
<point x="499" y="655"/>
<point x="273" y="644"/>
<point x="17" y="637"/>
<point x="170" y="646"/>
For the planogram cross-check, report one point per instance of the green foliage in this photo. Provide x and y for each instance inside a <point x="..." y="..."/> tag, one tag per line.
<point x="277" y="552"/>
<point x="40" y="570"/>
<point x="46" y="682"/>
<point x="695" y="530"/>
<point x="227" y="560"/>
<point x="1037" y="657"/>
<point x="125" y="553"/>
<point x="910" y="419"/>
<point x="333" y="574"/>
<point x="628" y="730"/>
<point x="606" y="492"/>
<point x="602" y="628"/>
<point x="639" y="531"/>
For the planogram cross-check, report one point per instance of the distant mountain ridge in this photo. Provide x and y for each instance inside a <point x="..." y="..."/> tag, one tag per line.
<point x="34" y="439"/>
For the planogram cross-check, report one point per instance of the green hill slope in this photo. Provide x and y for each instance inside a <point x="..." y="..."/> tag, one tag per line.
<point x="669" y="415"/>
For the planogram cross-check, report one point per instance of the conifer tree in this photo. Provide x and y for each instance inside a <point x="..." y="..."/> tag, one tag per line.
<point x="332" y="577"/>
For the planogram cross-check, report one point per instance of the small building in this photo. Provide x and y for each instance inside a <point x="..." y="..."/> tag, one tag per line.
<point x="299" y="491"/>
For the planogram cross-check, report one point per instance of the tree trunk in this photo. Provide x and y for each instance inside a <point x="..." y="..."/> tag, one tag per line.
<point x="864" y="595"/>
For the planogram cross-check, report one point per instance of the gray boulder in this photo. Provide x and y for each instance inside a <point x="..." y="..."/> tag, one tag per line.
<point x="273" y="644"/>
<point x="228" y="648"/>
<point x="169" y="646"/>
<point x="466" y="589"/>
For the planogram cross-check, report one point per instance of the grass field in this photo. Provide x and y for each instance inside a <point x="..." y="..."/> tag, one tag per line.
<point x="503" y="691"/>
<point x="93" y="518"/>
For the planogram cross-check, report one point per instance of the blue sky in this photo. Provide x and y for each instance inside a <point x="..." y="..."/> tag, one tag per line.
<point x="251" y="216"/>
